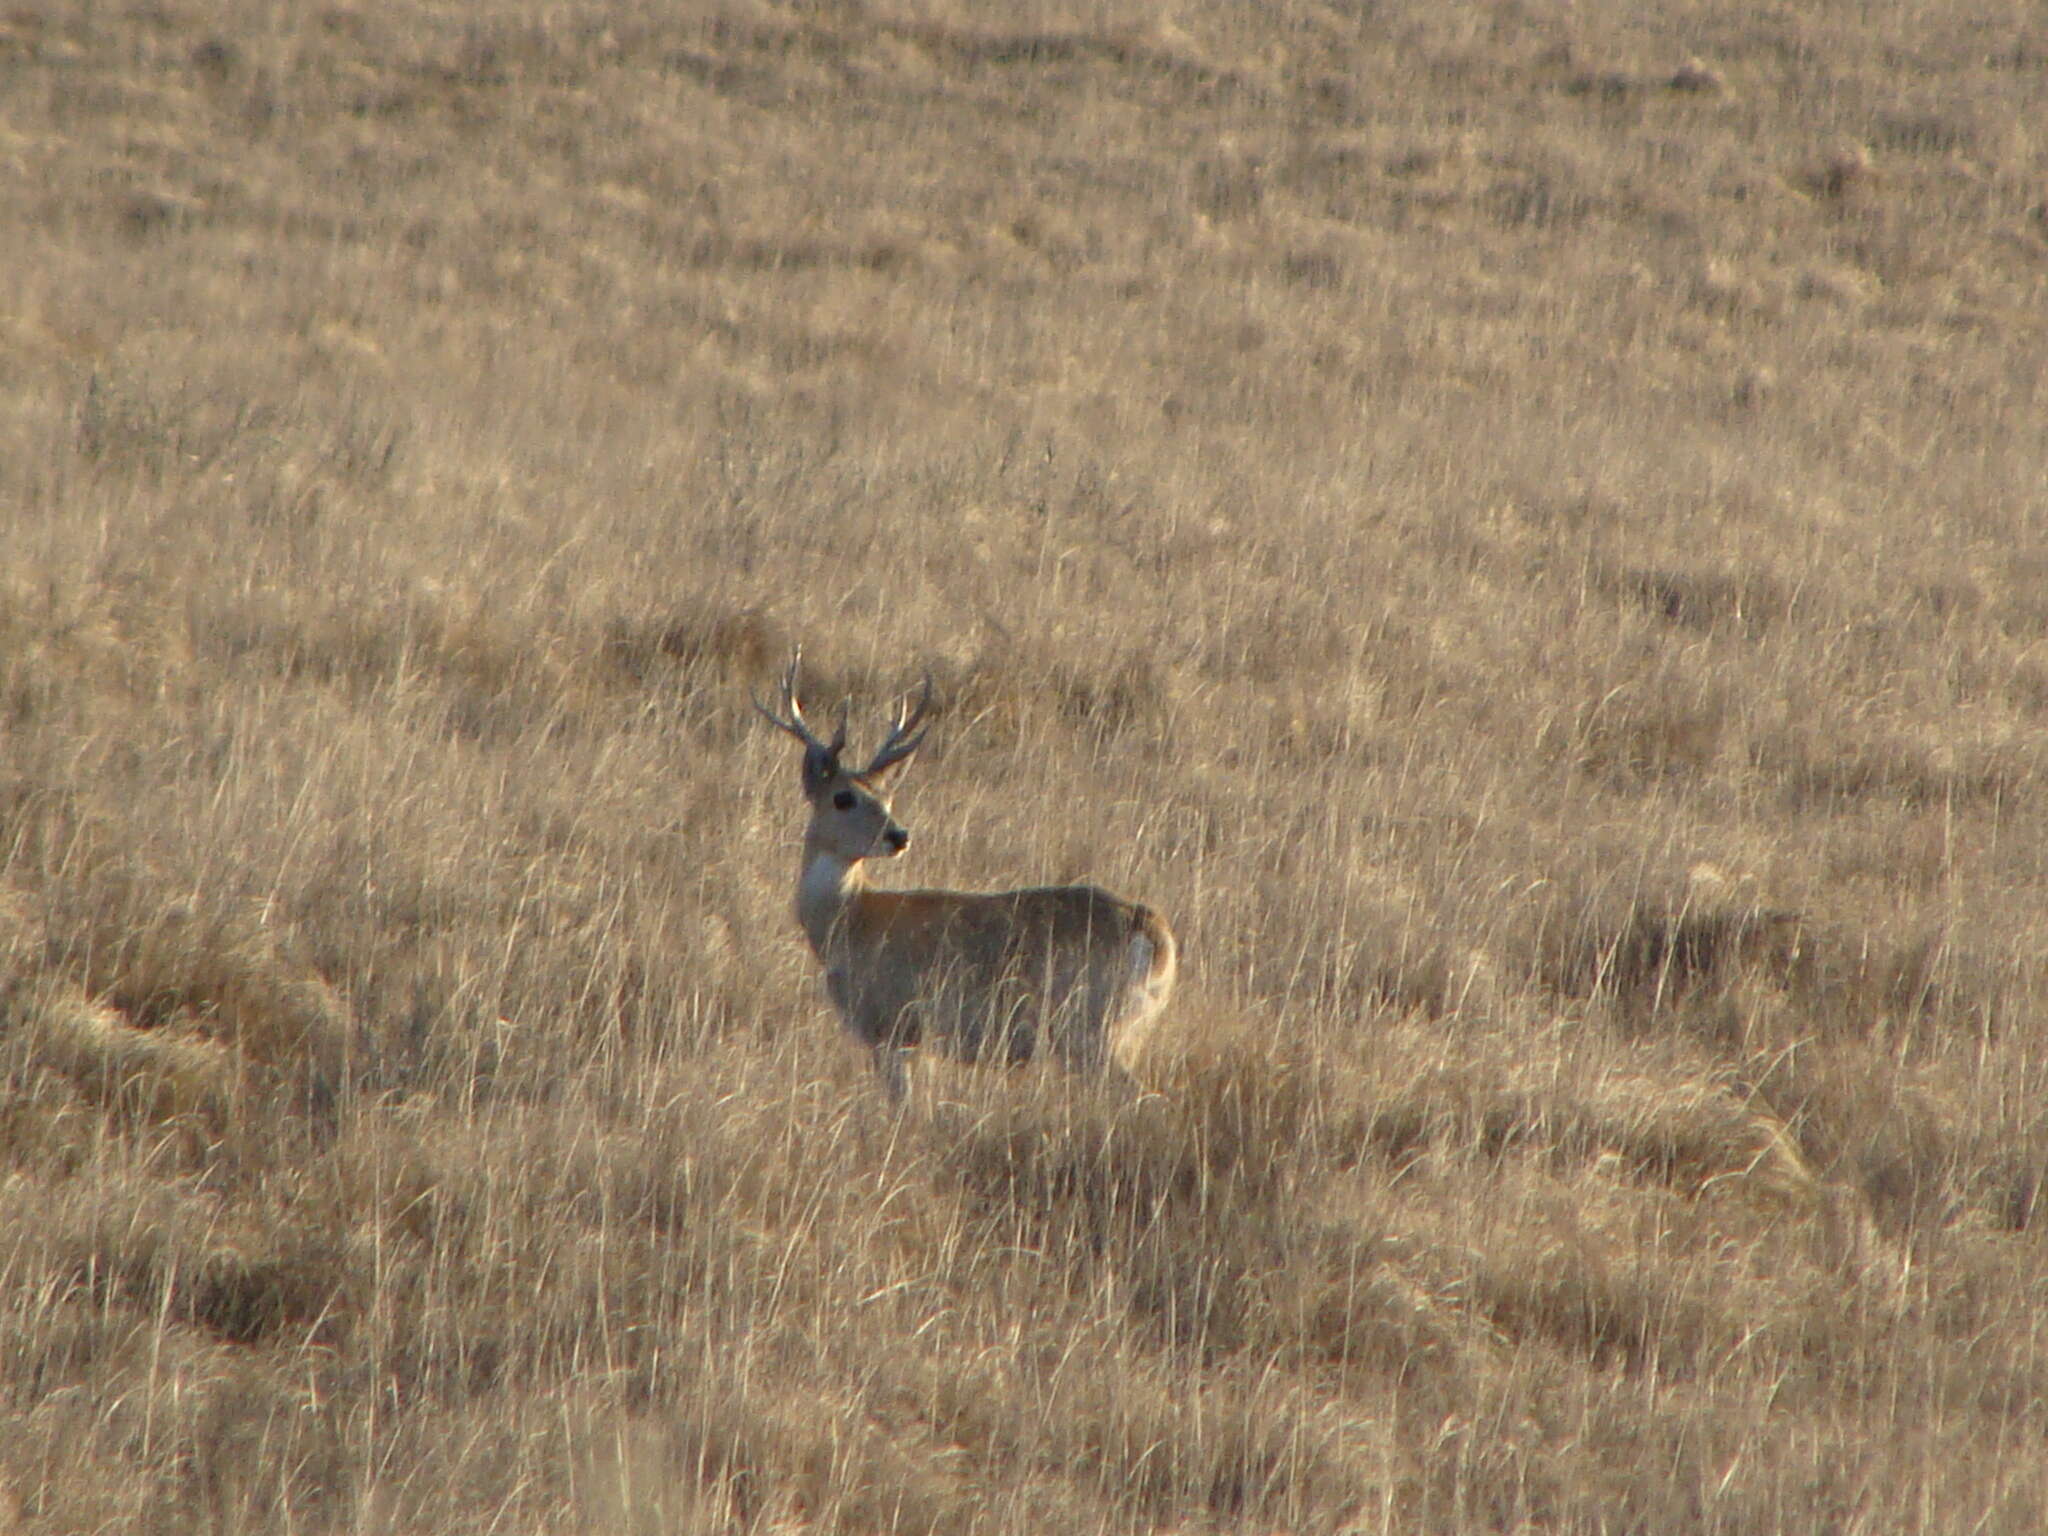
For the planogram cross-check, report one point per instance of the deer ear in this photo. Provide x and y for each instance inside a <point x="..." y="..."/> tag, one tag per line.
<point x="885" y="778"/>
<point x="821" y="767"/>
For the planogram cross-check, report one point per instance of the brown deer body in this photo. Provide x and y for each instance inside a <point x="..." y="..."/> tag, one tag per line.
<point x="994" y="976"/>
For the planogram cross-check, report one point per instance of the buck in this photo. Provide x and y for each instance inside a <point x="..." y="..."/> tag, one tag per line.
<point x="978" y="975"/>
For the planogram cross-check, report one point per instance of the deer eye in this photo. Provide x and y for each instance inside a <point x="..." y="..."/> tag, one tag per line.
<point x="844" y="800"/>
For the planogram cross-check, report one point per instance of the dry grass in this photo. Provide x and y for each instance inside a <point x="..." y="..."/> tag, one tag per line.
<point x="1518" y="527"/>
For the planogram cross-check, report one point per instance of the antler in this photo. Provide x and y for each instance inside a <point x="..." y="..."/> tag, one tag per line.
<point x="904" y="736"/>
<point x="792" y="719"/>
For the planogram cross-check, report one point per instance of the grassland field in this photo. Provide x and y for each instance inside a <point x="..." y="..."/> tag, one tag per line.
<point x="1522" y="527"/>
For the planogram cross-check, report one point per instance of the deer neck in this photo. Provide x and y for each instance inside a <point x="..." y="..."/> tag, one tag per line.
<point x="828" y="884"/>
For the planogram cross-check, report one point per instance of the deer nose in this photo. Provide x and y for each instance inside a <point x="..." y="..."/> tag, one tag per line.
<point x="898" y="838"/>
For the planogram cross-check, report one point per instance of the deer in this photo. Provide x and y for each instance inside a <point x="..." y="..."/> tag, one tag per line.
<point x="1069" y="971"/>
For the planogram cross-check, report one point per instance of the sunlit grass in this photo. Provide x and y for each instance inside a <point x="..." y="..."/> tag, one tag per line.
<point x="1517" y="531"/>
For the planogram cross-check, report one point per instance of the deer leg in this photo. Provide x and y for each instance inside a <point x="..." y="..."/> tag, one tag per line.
<point x="889" y="1068"/>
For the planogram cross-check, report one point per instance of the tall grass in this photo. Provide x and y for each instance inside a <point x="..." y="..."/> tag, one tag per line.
<point x="1517" y="529"/>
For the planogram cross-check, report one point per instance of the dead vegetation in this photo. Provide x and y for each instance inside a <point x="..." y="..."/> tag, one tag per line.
<point x="1516" y="528"/>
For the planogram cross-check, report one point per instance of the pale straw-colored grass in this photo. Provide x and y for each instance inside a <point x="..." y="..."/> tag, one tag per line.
<point x="1516" y="529"/>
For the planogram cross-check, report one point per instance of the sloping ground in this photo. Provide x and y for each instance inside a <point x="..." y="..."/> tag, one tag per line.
<point x="1520" y="529"/>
